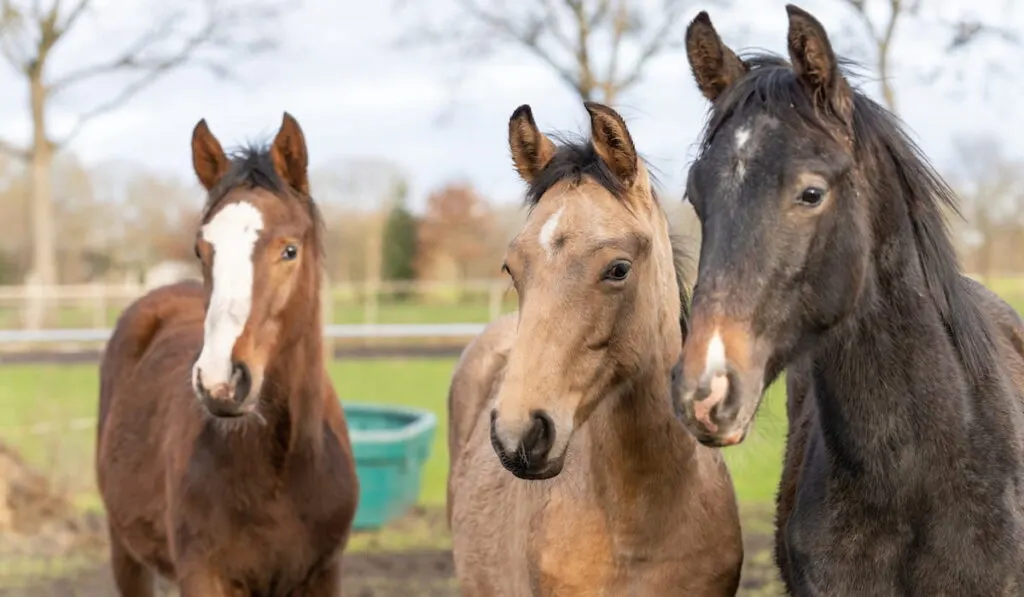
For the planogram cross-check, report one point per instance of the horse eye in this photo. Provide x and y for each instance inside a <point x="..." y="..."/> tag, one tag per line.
<point x="812" y="196"/>
<point x="290" y="252"/>
<point x="617" y="271"/>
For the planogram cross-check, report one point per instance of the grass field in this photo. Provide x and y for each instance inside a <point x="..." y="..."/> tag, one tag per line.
<point x="36" y="400"/>
<point x="54" y="394"/>
<point x="46" y="411"/>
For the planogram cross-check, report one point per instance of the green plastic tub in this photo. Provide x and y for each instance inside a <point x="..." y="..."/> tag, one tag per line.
<point x="391" y="445"/>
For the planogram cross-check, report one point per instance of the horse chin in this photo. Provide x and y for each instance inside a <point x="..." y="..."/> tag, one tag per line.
<point x="734" y="438"/>
<point x="733" y="435"/>
<point x="550" y="470"/>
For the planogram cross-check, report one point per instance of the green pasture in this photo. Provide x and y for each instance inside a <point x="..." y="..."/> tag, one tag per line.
<point x="36" y="396"/>
<point x="46" y="411"/>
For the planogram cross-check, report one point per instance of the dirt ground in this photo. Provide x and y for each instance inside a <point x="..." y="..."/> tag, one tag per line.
<point x="47" y="549"/>
<point x="414" y="572"/>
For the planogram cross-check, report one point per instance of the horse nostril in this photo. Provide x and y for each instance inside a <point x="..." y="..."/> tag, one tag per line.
<point x="538" y="440"/>
<point x="242" y="381"/>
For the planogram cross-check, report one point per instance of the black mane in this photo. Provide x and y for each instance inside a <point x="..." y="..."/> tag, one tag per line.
<point x="576" y="159"/>
<point x="252" y="167"/>
<point x="894" y="167"/>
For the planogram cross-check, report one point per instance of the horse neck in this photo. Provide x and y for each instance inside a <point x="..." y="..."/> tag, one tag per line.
<point x="295" y="382"/>
<point x="890" y="384"/>
<point x="636" y="448"/>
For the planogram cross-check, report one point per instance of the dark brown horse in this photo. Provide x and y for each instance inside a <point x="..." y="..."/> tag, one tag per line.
<point x="825" y="252"/>
<point x="224" y="458"/>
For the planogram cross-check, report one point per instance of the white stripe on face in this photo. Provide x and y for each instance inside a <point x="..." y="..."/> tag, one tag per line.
<point x="715" y="361"/>
<point x="742" y="136"/>
<point x="547" y="232"/>
<point x="232" y="232"/>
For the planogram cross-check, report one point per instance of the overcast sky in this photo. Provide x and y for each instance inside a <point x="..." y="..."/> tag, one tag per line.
<point x="356" y="96"/>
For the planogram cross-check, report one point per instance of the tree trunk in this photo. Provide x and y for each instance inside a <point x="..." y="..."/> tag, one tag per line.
<point x="888" y="93"/>
<point x="44" y="242"/>
<point x="986" y="249"/>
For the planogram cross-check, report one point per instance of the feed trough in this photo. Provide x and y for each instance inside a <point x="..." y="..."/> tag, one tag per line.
<point x="391" y="445"/>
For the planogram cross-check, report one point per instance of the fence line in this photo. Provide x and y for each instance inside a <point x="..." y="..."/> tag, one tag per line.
<point x="331" y="332"/>
<point x="96" y="305"/>
<point x="129" y="291"/>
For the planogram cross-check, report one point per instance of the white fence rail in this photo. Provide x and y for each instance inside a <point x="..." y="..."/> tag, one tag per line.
<point x="84" y="312"/>
<point x="353" y="331"/>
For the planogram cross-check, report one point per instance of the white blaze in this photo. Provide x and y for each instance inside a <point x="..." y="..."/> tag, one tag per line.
<point x="715" y="361"/>
<point x="547" y="231"/>
<point x="232" y="232"/>
<point x="742" y="136"/>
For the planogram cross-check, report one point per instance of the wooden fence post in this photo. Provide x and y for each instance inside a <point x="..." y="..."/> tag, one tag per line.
<point x="327" y="314"/>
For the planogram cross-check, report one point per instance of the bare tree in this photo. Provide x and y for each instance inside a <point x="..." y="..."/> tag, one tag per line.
<point x="366" y="189"/>
<point x="599" y="48"/>
<point x="991" y="186"/>
<point x="881" y="26"/>
<point x="207" y="33"/>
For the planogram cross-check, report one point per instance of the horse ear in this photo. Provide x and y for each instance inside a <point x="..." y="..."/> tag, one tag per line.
<point x="612" y="142"/>
<point x="531" y="149"/>
<point x="208" y="157"/>
<point x="814" y="62"/>
<point x="288" y="153"/>
<point x="714" y="65"/>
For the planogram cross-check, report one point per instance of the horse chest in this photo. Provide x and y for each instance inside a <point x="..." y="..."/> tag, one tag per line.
<point x="576" y="549"/>
<point x="933" y="548"/>
<point x="270" y="536"/>
<point x="571" y="551"/>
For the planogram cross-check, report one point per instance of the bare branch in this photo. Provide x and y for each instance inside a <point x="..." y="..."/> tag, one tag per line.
<point x="882" y="33"/>
<point x="620" y="23"/>
<point x="142" y="57"/>
<point x="583" y="42"/>
<point x="527" y="39"/>
<point x="11" y="149"/>
<point x="130" y="58"/>
<point x="658" y="42"/>
<point x="74" y="15"/>
<point x="966" y="32"/>
<point x="11" y="20"/>
<point x="554" y="25"/>
<point x="862" y="14"/>
<point x="134" y="57"/>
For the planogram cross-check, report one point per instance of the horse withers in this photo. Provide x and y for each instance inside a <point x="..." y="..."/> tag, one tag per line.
<point x="223" y="453"/>
<point x="569" y="474"/>
<point x="825" y="252"/>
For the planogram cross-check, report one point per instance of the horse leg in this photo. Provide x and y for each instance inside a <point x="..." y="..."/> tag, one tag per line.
<point x="133" y="579"/>
<point x="325" y="582"/>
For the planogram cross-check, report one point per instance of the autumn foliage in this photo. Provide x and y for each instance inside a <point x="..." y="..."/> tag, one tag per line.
<point x="454" y="235"/>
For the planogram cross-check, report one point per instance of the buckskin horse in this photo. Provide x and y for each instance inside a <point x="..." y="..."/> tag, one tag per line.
<point x="825" y="252"/>
<point x="223" y="454"/>
<point x="570" y="475"/>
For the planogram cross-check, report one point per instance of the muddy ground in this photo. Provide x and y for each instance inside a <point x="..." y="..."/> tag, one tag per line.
<point x="416" y="570"/>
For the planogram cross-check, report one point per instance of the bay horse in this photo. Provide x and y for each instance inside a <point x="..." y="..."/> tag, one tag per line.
<point x="569" y="474"/>
<point x="223" y="454"/>
<point x="825" y="252"/>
